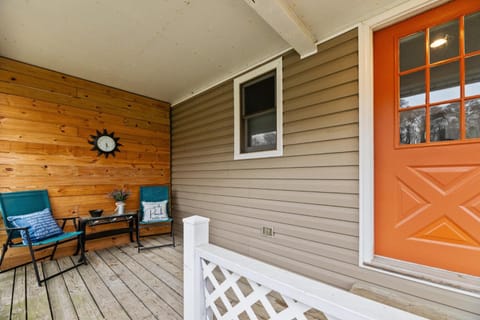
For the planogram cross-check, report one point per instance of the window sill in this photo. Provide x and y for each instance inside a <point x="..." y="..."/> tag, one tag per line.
<point x="258" y="155"/>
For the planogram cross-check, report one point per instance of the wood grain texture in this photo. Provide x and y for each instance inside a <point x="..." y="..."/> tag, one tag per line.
<point x="309" y="196"/>
<point x="118" y="284"/>
<point x="46" y="119"/>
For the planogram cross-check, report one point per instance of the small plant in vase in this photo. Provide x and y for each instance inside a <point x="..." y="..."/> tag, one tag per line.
<point x="119" y="195"/>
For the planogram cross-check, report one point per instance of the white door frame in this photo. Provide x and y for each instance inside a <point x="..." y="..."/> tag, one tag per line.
<point x="366" y="138"/>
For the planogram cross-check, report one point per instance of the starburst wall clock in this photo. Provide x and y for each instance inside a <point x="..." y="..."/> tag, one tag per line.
<point x="105" y="143"/>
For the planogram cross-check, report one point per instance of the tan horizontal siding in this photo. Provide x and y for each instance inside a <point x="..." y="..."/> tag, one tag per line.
<point x="339" y="213"/>
<point x="203" y="101"/>
<point x="339" y="159"/>
<point x="217" y="149"/>
<point x="309" y="195"/>
<point x="345" y="62"/>
<point x="328" y="107"/>
<point x="338" y="186"/>
<point x="215" y="112"/>
<point x="330" y="199"/>
<point x="344" y="172"/>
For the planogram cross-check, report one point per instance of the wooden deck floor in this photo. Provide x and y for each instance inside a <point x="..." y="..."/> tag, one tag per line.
<point x="118" y="283"/>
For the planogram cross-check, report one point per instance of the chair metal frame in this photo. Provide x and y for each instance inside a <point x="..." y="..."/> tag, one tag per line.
<point x="14" y="232"/>
<point x="154" y="193"/>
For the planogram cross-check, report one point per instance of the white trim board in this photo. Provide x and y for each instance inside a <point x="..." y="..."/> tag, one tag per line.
<point x="284" y="20"/>
<point x="237" y="82"/>
<point x="366" y="130"/>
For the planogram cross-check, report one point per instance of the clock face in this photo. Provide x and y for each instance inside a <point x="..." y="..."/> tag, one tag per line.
<point x="105" y="143"/>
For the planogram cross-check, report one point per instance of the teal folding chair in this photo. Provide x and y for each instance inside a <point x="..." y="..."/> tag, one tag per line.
<point x="154" y="194"/>
<point x="27" y="215"/>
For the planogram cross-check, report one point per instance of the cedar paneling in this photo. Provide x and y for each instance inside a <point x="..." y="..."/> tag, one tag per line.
<point x="46" y="119"/>
<point x="309" y="195"/>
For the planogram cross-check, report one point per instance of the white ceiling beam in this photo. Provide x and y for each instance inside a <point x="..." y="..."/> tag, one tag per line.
<point x="286" y="23"/>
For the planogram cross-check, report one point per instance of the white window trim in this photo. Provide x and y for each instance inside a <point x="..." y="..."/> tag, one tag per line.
<point x="273" y="65"/>
<point x="367" y="257"/>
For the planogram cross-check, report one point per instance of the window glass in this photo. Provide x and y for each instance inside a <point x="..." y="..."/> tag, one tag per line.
<point x="445" y="122"/>
<point x="472" y="76"/>
<point x="262" y="130"/>
<point x="412" y="89"/>
<point x="444" y="41"/>
<point x="412" y="126"/>
<point x="445" y="82"/>
<point x="259" y="94"/>
<point x="472" y="32"/>
<point x="472" y="111"/>
<point x="412" y="51"/>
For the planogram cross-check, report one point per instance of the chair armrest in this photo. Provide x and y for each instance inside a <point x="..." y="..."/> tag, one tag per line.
<point x="14" y="229"/>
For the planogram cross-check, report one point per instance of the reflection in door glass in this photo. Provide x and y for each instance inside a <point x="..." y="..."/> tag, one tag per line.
<point x="472" y="113"/>
<point x="444" y="122"/>
<point x="412" y="51"/>
<point x="444" y="41"/>
<point x="445" y="82"/>
<point x="472" y="76"/>
<point x="412" y="126"/>
<point x="412" y="89"/>
<point x="472" y="32"/>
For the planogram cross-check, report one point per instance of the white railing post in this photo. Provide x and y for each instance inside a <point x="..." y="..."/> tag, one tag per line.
<point x="195" y="233"/>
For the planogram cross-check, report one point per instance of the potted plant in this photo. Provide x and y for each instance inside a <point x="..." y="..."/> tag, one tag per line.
<point x="119" y="195"/>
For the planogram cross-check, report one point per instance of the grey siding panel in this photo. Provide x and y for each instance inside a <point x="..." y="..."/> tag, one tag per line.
<point x="309" y="196"/>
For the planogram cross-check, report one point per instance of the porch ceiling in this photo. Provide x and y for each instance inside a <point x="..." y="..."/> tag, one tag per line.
<point x="165" y="49"/>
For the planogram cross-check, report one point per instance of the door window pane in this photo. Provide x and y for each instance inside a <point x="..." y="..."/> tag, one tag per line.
<point x="412" y="51"/>
<point x="412" y="89"/>
<point x="412" y="126"/>
<point x="444" y="42"/>
<point x="445" y="82"/>
<point x="472" y="32"/>
<point x="472" y="111"/>
<point x="444" y="122"/>
<point x="472" y="76"/>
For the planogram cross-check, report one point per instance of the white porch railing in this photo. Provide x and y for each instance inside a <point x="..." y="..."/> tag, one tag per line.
<point x="221" y="284"/>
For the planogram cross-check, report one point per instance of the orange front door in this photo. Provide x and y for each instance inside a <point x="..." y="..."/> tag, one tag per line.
<point x="427" y="138"/>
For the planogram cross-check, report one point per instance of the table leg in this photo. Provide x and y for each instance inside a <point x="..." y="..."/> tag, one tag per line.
<point x="81" y="239"/>
<point x="130" y="225"/>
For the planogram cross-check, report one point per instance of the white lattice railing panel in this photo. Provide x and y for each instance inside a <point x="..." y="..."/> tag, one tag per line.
<point x="220" y="284"/>
<point x="231" y="296"/>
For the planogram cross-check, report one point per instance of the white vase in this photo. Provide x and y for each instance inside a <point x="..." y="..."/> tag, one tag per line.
<point x="120" y="207"/>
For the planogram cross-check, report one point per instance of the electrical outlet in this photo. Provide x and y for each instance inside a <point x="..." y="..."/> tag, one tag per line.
<point x="267" y="231"/>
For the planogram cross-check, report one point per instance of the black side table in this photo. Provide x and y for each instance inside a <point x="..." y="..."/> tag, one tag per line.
<point x="84" y="222"/>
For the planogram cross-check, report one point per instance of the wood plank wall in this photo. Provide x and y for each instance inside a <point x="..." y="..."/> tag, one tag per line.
<point x="46" y="119"/>
<point x="309" y="196"/>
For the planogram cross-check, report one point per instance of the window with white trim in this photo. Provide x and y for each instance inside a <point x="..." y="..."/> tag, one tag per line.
<point x="258" y="111"/>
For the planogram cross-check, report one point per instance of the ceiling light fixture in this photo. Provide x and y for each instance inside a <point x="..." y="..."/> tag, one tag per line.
<point x="439" y="42"/>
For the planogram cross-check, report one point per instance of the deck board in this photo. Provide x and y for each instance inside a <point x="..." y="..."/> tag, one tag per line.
<point x="37" y="299"/>
<point x="118" y="283"/>
<point x="60" y="302"/>
<point x="19" y="310"/>
<point x="140" y="288"/>
<point x="106" y="301"/>
<point x="82" y="300"/>
<point x="151" y="261"/>
<point x="162" y="290"/>
<point x="6" y="291"/>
